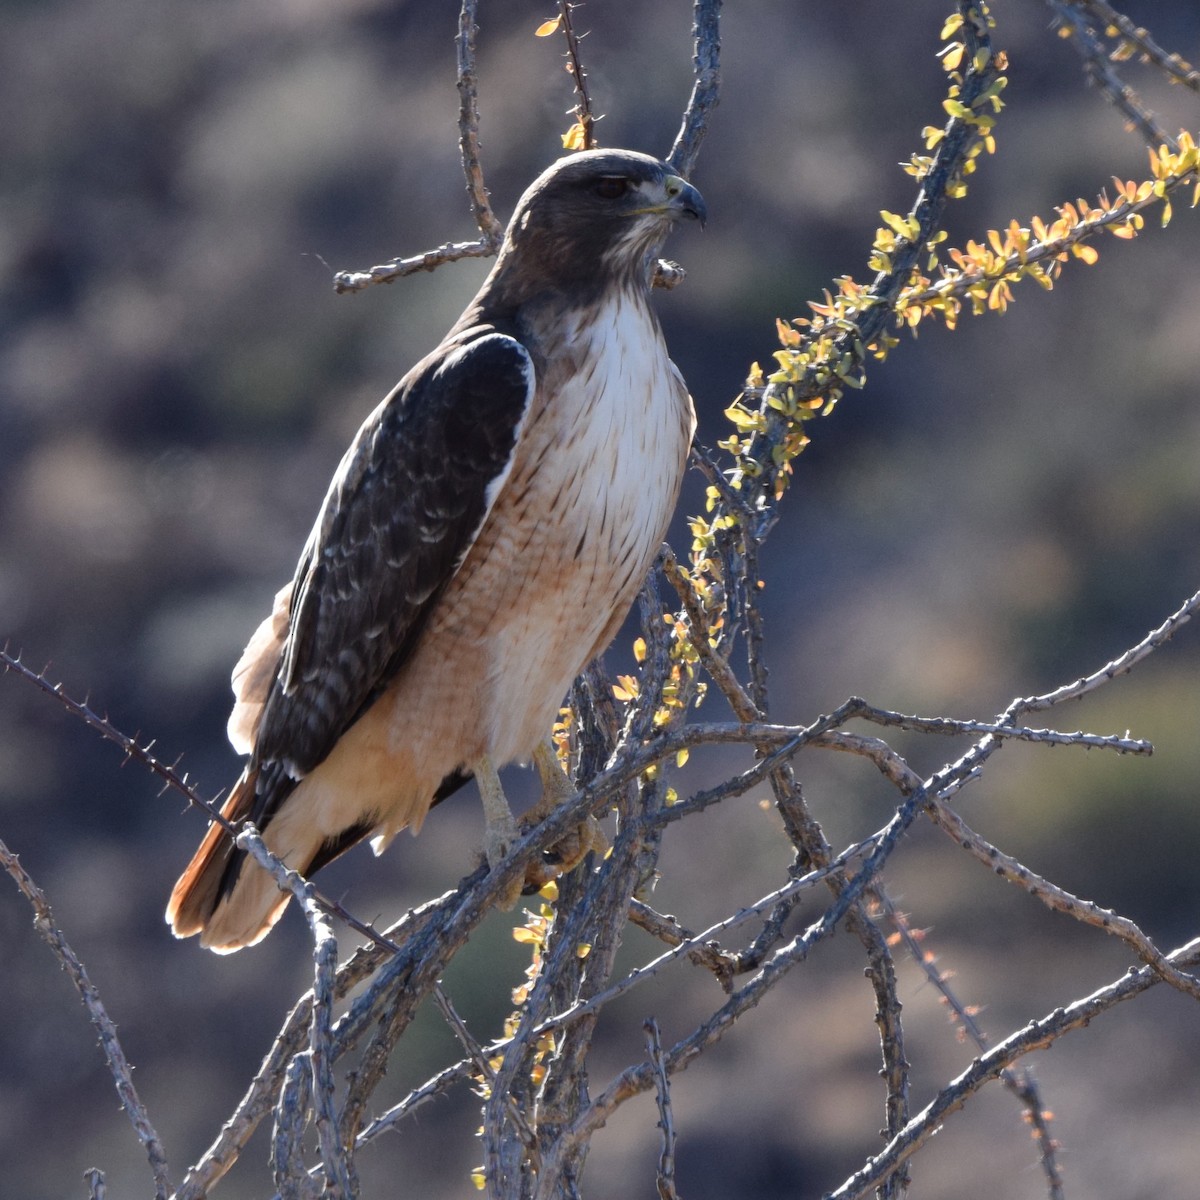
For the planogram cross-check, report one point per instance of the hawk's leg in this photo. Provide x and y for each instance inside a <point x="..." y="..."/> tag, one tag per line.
<point x="501" y="832"/>
<point x="569" y="850"/>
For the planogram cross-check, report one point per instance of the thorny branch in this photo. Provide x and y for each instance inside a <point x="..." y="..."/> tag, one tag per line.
<point x="683" y="155"/>
<point x="706" y="91"/>
<point x="1139" y="40"/>
<point x="118" y="1065"/>
<point x="1037" y="1035"/>
<point x="1098" y="65"/>
<point x="666" y="1122"/>
<point x="1022" y="1083"/>
<point x="491" y="231"/>
<point x="539" y="1113"/>
<point x="583" y="136"/>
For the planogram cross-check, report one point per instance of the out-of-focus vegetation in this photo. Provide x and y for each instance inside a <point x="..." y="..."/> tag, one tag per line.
<point x="1002" y="509"/>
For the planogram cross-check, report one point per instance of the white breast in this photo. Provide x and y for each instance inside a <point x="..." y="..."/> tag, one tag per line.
<point x="584" y="510"/>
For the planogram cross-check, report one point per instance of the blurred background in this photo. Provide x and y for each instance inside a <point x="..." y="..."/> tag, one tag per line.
<point x="1000" y="511"/>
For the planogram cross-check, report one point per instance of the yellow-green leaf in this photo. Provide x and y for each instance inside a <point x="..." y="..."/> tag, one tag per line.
<point x="545" y="29"/>
<point x="952" y="26"/>
<point x="575" y="138"/>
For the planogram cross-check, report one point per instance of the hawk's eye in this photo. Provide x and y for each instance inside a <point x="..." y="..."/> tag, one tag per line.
<point x="612" y="187"/>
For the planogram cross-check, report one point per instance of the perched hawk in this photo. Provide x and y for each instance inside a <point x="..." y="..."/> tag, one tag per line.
<point x="481" y="541"/>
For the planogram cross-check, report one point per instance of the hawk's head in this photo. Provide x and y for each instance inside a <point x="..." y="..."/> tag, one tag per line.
<point x="595" y="218"/>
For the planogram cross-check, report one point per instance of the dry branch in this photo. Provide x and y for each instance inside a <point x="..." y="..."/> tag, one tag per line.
<point x="1037" y="1035"/>
<point x="491" y="231"/>
<point x="110" y="1043"/>
<point x="1022" y="1084"/>
<point x="706" y="89"/>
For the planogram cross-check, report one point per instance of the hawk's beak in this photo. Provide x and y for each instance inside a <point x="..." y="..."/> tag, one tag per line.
<point x="683" y="200"/>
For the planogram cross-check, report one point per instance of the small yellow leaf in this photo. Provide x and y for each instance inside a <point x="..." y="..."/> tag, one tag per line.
<point x="479" y="1179"/>
<point x="545" y="29"/>
<point x="527" y="936"/>
<point x="583" y="949"/>
<point x="952" y="26"/>
<point x="639" y="649"/>
<point x="681" y="757"/>
<point x="549" y="890"/>
<point x="575" y="138"/>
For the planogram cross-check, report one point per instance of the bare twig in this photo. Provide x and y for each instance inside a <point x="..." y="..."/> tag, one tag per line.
<point x="1103" y="75"/>
<point x="468" y="127"/>
<point x="637" y="1079"/>
<point x="1060" y="900"/>
<point x="335" y="1157"/>
<point x="1054" y="897"/>
<point x="1175" y="68"/>
<point x="585" y="120"/>
<point x="287" y="1142"/>
<point x="339" y="1185"/>
<point x="491" y="231"/>
<point x="667" y="929"/>
<point x="1037" y="1035"/>
<point x="1121" y="665"/>
<point x="1021" y="1083"/>
<point x="662" y="1088"/>
<point x="706" y="90"/>
<point x="259" y="1097"/>
<point x="432" y="1088"/>
<point x="950" y="727"/>
<point x="430" y="260"/>
<point x="110" y="1043"/>
<point x="704" y="941"/>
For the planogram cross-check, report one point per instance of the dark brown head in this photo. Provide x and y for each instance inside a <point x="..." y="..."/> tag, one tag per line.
<point x="593" y="218"/>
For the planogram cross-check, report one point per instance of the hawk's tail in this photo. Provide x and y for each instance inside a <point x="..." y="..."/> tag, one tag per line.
<point x="228" y="901"/>
<point x="227" y="898"/>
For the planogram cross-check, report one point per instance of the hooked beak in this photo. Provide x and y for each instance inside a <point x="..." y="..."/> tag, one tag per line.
<point x="683" y="200"/>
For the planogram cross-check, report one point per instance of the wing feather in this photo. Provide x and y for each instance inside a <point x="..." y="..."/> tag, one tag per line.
<point x="400" y="516"/>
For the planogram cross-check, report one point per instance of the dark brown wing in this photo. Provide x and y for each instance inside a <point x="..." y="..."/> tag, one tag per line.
<point x="402" y="511"/>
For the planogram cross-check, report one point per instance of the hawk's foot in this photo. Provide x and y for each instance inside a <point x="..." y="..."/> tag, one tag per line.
<point x="565" y="855"/>
<point x="570" y="849"/>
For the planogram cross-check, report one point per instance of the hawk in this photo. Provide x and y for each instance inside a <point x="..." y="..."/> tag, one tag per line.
<point x="481" y="541"/>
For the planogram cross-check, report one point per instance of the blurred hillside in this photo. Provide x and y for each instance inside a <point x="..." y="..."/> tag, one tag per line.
<point x="1000" y="511"/>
